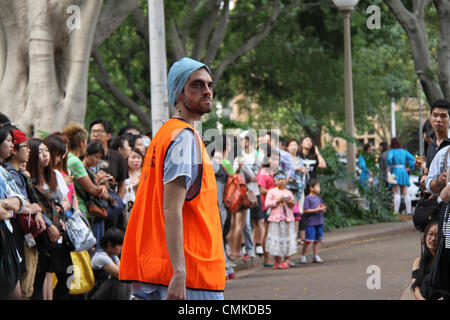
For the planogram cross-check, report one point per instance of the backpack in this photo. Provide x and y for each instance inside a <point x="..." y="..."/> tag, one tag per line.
<point x="235" y="189"/>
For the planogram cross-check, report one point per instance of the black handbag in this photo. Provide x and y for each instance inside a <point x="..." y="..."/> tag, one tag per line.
<point x="9" y="262"/>
<point x="440" y="279"/>
<point x="293" y="186"/>
<point x="425" y="211"/>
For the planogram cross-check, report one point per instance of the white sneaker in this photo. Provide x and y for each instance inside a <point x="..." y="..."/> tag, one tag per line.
<point x="317" y="259"/>
<point x="259" y="250"/>
<point x="302" y="260"/>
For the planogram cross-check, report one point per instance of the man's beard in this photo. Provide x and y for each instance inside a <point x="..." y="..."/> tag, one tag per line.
<point x="196" y="108"/>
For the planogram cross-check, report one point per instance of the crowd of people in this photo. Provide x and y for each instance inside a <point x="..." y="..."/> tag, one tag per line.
<point x="44" y="181"/>
<point x="177" y="238"/>
<point x="282" y="173"/>
<point x="430" y="270"/>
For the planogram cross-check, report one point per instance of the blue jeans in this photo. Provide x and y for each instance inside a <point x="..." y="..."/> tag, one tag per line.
<point x="154" y="292"/>
<point x="98" y="229"/>
<point x="248" y="239"/>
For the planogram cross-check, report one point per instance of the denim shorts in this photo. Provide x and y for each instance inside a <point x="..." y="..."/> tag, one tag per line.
<point x="314" y="234"/>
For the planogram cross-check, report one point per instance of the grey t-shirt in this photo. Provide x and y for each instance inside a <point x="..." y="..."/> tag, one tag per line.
<point x="183" y="158"/>
<point x="101" y="259"/>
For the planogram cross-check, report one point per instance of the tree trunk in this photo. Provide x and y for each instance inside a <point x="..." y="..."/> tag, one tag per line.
<point x="443" y="11"/>
<point x="414" y="25"/>
<point x="44" y="58"/>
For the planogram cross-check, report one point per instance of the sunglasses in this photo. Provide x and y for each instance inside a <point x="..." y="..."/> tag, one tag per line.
<point x="279" y="176"/>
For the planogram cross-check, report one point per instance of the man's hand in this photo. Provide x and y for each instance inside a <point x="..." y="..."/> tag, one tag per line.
<point x="177" y="288"/>
<point x="174" y="197"/>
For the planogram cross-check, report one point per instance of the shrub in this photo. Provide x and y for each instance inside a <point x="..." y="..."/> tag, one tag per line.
<point x="342" y="209"/>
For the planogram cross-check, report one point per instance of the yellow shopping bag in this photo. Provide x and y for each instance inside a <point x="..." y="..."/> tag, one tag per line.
<point x="82" y="278"/>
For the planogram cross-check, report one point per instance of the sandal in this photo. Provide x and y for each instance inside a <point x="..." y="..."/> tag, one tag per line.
<point x="284" y="265"/>
<point x="233" y="257"/>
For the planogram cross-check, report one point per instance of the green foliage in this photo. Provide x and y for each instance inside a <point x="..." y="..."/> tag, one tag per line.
<point x="342" y="210"/>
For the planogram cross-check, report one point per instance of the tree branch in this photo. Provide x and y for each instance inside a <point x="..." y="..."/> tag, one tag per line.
<point x="415" y="29"/>
<point x="110" y="104"/>
<point x="105" y="82"/>
<point x="177" y="46"/>
<point x="443" y="12"/>
<point x="111" y="17"/>
<point x="250" y="43"/>
<point x="205" y="29"/>
<point x="249" y="13"/>
<point x="125" y="66"/>
<point x="219" y="34"/>
<point x="3" y="51"/>
<point x="419" y="8"/>
<point x="141" y="21"/>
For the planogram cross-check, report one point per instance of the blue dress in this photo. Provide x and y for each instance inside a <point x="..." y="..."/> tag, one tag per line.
<point x="397" y="161"/>
<point x="365" y="172"/>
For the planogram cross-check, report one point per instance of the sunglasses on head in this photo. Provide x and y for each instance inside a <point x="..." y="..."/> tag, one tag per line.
<point x="279" y="176"/>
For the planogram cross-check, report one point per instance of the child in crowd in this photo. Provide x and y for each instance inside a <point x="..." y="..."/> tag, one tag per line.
<point x="281" y="236"/>
<point x="264" y="178"/>
<point x="313" y="210"/>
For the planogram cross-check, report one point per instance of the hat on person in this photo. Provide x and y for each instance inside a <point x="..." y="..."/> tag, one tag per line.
<point x="179" y="74"/>
<point x="18" y="137"/>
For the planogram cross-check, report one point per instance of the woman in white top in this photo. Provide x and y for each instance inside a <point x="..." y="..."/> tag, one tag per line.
<point x="134" y="161"/>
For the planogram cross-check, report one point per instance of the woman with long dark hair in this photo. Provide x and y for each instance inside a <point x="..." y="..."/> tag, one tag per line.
<point x="421" y="274"/>
<point x="312" y="159"/>
<point x="400" y="163"/>
<point x="54" y="254"/>
<point x="58" y="161"/>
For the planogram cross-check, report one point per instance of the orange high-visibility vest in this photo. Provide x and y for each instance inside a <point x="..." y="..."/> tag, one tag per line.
<point x="145" y="257"/>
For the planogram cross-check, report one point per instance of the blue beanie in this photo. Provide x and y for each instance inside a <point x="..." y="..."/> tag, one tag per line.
<point x="179" y="74"/>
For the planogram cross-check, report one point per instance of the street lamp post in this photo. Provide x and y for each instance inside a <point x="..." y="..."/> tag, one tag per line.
<point x="346" y="7"/>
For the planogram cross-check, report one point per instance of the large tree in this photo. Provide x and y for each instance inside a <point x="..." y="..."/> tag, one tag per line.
<point x="45" y="47"/>
<point x="432" y="64"/>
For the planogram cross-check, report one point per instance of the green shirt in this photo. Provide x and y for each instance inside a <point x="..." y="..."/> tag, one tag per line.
<point x="78" y="170"/>
<point x="228" y="166"/>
